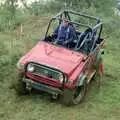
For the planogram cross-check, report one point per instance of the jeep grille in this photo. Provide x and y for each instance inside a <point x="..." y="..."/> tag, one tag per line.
<point x="41" y="70"/>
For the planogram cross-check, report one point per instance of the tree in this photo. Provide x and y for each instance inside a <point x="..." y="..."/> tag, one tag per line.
<point x="11" y="6"/>
<point x="76" y="3"/>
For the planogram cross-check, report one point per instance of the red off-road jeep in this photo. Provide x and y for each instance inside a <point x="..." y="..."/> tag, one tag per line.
<point x="64" y="71"/>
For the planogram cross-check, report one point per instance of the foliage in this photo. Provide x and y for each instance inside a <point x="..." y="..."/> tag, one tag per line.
<point x="10" y="16"/>
<point x="11" y="6"/>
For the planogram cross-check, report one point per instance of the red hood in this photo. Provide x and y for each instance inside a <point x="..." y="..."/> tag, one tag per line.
<point x="57" y="57"/>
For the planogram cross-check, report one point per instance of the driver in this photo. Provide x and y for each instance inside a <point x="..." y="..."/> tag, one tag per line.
<point x="65" y="33"/>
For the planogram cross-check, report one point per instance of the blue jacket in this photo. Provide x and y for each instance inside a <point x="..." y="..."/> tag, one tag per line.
<point x="65" y="33"/>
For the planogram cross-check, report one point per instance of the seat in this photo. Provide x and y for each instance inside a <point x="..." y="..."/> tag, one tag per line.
<point x="84" y="37"/>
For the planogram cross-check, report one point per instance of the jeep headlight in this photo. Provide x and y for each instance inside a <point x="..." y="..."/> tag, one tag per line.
<point x="30" y="68"/>
<point x="61" y="78"/>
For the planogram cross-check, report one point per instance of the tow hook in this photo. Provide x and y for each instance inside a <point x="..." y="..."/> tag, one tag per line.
<point x="28" y="87"/>
<point x="54" y="96"/>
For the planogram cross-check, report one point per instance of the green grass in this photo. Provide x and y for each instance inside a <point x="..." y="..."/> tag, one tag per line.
<point x="103" y="104"/>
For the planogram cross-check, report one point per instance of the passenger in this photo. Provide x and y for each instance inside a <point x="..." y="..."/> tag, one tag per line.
<point x="65" y="33"/>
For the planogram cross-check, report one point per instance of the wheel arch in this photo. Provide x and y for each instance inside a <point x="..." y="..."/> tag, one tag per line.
<point x="81" y="79"/>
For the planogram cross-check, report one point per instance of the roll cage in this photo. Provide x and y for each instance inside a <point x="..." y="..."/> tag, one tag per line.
<point x="91" y="34"/>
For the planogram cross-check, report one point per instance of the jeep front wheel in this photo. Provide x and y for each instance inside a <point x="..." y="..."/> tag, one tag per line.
<point x="21" y="86"/>
<point x="74" y="97"/>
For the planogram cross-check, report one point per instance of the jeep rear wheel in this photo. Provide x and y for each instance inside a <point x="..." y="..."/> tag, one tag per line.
<point x="99" y="73"/>
<point x="74" y="97"/>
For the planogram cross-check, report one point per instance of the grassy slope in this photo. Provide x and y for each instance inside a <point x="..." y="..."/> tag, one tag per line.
<point x="99" y="105"/>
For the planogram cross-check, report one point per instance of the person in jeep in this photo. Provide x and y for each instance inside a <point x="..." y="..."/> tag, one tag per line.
<point x="65" y="33"/>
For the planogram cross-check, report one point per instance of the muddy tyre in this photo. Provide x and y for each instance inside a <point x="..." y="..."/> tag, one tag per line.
<point x="20" y="85"/>
<point x="99" y="73"/>
<point x="74" y="97"/>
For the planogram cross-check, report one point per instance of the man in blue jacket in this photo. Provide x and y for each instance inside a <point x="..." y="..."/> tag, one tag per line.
<point x="65" y="33"/>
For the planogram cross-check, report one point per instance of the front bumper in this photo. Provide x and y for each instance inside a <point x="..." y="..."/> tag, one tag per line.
<point x="42" y="87"/>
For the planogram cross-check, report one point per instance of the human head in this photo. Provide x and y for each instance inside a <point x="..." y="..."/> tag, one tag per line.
<point x="65" y="22"/>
